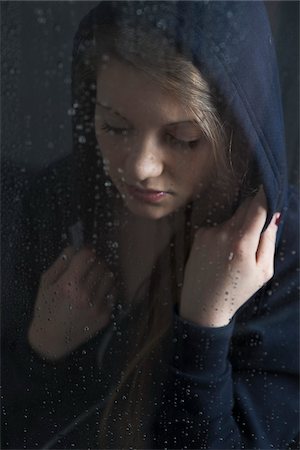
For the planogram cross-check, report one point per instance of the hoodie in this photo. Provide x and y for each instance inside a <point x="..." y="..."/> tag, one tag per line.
<point x="230" y="387"/>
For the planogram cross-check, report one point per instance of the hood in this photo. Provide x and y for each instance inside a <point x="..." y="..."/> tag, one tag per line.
<point x="231" y="44"/>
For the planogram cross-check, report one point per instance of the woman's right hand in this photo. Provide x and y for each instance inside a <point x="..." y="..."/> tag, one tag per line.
<point x="74" y="302"/>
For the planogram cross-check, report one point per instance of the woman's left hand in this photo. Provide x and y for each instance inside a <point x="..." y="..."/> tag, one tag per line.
<point x="228" y="264"/>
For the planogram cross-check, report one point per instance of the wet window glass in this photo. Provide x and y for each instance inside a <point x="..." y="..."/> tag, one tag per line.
<point x="149" y="224"/>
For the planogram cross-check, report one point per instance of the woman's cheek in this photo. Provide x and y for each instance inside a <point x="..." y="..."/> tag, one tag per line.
<point x="112" y="157"/>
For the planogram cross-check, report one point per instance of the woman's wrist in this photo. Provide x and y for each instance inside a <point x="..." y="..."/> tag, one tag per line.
<point x="207" y="317"/>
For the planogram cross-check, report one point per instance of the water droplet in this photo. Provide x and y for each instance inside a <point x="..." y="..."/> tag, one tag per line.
<point x="82" y="139"/>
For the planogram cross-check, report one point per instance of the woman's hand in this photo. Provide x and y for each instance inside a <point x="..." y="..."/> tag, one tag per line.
<point x="228" y="264"/>
<point x="74" y="302"/>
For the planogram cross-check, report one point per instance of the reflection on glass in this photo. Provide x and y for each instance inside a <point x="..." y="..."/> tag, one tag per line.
<point x="155" y="270"/>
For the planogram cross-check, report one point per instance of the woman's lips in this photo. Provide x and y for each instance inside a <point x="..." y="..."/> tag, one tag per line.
<point x="146" y="195"/>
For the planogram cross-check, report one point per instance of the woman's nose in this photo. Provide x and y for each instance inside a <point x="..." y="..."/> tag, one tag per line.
<point x="144" y="160"/>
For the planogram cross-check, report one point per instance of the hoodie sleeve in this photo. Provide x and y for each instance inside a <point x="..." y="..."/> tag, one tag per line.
<point x="206" y="405"/>
<point x="236" y="386"/>
<point x="198" y="396"/>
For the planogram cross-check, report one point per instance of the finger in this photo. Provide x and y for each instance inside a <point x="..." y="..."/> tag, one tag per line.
<point x="95" y="324"/>
<point x="96" y="283"/>
<point x="60" y="265"/>
<point x="90" y="283"/>
<point x="266" y="248"/>
<point x="104" y="295"/>
<point x="80" y="265"/>
<point x="255" y="219"/>
<point x="236" y="221"/>
<point x="92" y="278"/>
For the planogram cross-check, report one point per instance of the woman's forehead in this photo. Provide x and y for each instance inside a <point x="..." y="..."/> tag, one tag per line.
<point x="130" y="92"/>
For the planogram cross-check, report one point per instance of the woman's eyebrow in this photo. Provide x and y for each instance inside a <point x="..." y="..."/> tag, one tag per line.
<point x="171" y="124"/>
<point x="108" y="108"/>
<point x="191" y="122"/>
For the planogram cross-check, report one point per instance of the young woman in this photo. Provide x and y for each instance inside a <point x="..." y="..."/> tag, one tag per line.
<point x="161" y="325"/>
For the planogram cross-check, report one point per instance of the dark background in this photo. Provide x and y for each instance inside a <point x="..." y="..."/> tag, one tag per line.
<point x="36" y="50"/>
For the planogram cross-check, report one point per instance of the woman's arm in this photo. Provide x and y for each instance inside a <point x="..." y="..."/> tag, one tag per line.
<point x="48" y="383"/>
<point x="74" y="303"/>
<point x="236" y="385"/>
<point x="40" y="395"/>
<point x="228" y="264"/>
<point x="224" y="395"/>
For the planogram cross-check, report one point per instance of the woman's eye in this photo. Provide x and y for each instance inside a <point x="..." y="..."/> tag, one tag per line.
<point x="172" y="140"/>
<point x="114" y="130"/>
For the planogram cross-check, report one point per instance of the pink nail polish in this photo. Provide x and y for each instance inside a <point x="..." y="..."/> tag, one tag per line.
<point x="278" y="218"/>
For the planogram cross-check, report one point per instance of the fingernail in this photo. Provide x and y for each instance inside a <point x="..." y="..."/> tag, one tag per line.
<point x="277" y="219"/>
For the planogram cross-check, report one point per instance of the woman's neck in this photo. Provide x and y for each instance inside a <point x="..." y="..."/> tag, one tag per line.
<point x="142" y="241"/>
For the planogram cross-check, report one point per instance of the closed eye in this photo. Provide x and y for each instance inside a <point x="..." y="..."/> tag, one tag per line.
<point x="173" y="141"/>
<point x="114" y="130"/>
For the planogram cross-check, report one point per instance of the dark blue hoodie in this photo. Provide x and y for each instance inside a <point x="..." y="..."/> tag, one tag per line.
<point x="229" y="387"/>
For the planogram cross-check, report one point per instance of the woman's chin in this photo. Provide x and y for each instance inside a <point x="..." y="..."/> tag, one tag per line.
<point x="148" y="210"/>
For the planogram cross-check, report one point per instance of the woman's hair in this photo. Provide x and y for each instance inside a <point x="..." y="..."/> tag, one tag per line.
<point x="150" y="51"/>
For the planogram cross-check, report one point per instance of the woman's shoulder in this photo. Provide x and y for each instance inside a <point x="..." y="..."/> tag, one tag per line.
<point x="267" y="327"/>
<point x="51" y="184"/>
<point x="42" y="216"/>
<point x="292" y="211"/>
<point x="49" y="204"/>
<point x="287" y="252"/>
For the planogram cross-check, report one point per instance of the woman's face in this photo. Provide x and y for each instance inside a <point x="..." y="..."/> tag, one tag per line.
<point x="154" y="152"/>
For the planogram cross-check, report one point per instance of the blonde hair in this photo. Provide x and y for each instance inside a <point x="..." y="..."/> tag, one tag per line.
<point x="149" y="51"/>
